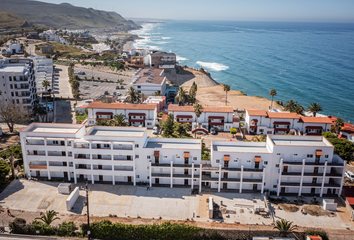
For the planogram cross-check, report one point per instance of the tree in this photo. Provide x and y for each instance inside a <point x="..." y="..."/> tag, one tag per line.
<point x="192" y="93"/>
<point x="343" y="148"/>
<point x="4" y="170"/>
<point x="120" y="120"/>
<point x="12" y="161"/>
<point x="314" y="108"/>
<point x="143" y="97"/>
<point x="293" y="106"/>
<point x="167" y="126"/>
<point x="338" y="123"/>
<point x="121" y="81"/>
<point x="157" y="93"/>
<point x="226" y="89"/>
<point x="133" y="95"/>
<point x="181" y="97"/>
<point x="76" y="95"/>
<point x="49" y="217"/>
<point x="68" y="58"/>
<point x="13" y="114"/>
<point x="284" y="226"/>
<point x="233" y="131"/>
<point x="104" y="122"/>
<point x="46" y="84"/>
<point x="272" y="93"/>
<point x="198" y="109"/>
<point x="75" y="85"/>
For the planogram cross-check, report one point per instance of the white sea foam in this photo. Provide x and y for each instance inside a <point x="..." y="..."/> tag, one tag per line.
<point x="213" y="66"/>
<point x="179" y="58"/>
<point x="166" y="37"/>
<point x="160" y="42"/>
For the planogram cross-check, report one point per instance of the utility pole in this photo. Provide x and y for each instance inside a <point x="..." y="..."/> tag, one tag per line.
<point x="88" y="212"/>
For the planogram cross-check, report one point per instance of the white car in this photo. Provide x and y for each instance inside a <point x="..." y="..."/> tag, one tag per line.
<point x="349" y="175"/>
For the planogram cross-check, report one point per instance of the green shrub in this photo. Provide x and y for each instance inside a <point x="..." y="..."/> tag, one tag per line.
<point x="317" y="232"/>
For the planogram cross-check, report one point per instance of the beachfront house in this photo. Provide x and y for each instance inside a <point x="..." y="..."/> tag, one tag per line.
<point x="158" y="59"/>
<point x="149" y="81"/>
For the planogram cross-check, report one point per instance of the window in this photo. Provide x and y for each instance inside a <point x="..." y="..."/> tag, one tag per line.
<point x="139" y="86"/>
<point x="278" y="153"/>
<point x="274" y="186"/>
<point x="56" y="142"/>
<point x="261" y="130"/>
<point x="148" y="177"/>
<point x="194" y="180"/>
<point x="265" y="162"/>
<point x="164" y="156"/>
<point x="12" y="94"/>
<point x="194" y="158"/>
<point x="148" y="157"/>
<point x="149" y="123"/>
<point x="217" y="160"/>
<point x="295" y="154"/>
<point x="106" y="145"/>
<point x="235" y="160"/>
<point x="11" y="86"/>
<point x="326" y="156"/>
<point x="216" y="183"/>
<point x="136" y="145"/>
<point x="147" y="167"/>
<point x="137" y="176"/>
<point x="276" y="165"/>
<point x="248" y="160"/>
<point x="178" y="156"/>
<point x="310" y="155"/>
<point x="195" y="169"/>
<point x="136" y="156"/>
<point x="217" y="172"/>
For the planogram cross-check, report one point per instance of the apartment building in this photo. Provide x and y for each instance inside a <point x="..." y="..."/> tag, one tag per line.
<point x="122" y="155"/>
<point x="292" y="165"/>
<point x="163" y="60"/>
<point x="144" y="115"/>
<point x="267" y="122"/>
<point x="17" y="81"/>
<point x="222" y="118"/>
<point x="43" y="71"/>
<point x="149" y="81"/>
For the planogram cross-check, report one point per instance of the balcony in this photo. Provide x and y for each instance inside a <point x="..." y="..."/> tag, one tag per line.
<point x="122" y="159"/>
<point x="82" y="157"/>
<point x="244" y="169"/>
<point x="122" y="147"/>
<point x="312" y="163"/>
<point x="36" y="143"/>
<point x="160" y="175"/>
<point x="160" y="165"/>
<point x="104" y="169"/>
<point x="86" y="146"/>
<point x="34" y="166"/>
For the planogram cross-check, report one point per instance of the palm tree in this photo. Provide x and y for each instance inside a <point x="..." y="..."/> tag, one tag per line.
<point x="157" y="93"/>
<point x="120" y="120"/>
<point x="338" y="123"/>
<point x="75" y="85"/>
<point x="272" y="93"/>
<point x="133" y="94"/>
<point x="198" y="109"/>
<point x="67" y="58"/>
<point x="314" y="108"/>
<point x="46" y="84"/>
<point x="226" y="89"/>
<point x="284" y="226"/>
<point x="71" y="64"/>
<point x="76" y="95"/>
<point x="290" y="105"/>
<point x="48" y="217"/>
<point x="181" y="96"/>
<point x="143" y="97"/>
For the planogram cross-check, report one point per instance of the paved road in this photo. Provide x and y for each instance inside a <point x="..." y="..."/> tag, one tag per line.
<point x="63" y="113"/>
<point x="103" y="75"/>
<point x="93" y="90"/>
<point x="61" y="82"/>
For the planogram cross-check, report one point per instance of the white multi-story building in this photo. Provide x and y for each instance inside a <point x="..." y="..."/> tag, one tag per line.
<point x="52" y="36"/>
<point x="294" y="165"/>
<point x="17" y="82"/>
<point x="43" y="69"/>
<point x="264" y="122"/>
<point x="14" y="48"/>
<point x="109" y="154"/>
<point x="149" y="81"/>
<point x="137" y="114"/>
<point x="221" y="118"/>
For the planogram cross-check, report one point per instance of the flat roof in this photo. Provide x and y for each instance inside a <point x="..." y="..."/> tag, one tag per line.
<point x="302" y="142"/>
<point x="52" y="128"/>
<point x="173" y="145"/>
<point x="9" y="68"/>
<point x="240" y="148"/>
<point x="115" y="133"/>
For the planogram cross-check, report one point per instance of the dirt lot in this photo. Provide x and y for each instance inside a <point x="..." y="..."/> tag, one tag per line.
<point x="317" y="211"/>
<point x="289" y="207"/>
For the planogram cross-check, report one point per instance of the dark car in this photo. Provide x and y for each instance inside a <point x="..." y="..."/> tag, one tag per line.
<point x="213" y="131"/>
<point x="105" y="92"/>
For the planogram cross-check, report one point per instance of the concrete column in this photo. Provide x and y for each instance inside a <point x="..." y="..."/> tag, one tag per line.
<point x="113" y="180"/>
<point x="92" y="179"/>
<point x="342" y="179"/>
<point x="69" y="177"/>
<point x="48" y="170"/>
<point x="280" y="172"/>
<point x="150" y="178"/>
<point x="241" y="179"/>
<point x="302" y="175"/>
<point x="323" y="178"/>
<point x="171" y="172"/>
<point x="263" y="177"/>
<point x="200" y="178"/>
<point x="75" y="179"/>
<point x="219" y="182"/>
<point x="192" y="175"/>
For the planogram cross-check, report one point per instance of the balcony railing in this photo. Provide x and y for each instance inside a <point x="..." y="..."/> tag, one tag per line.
<point x="33" y="166"/>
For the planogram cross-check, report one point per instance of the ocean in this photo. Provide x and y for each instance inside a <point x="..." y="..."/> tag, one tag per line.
<point x="306" y="62"/>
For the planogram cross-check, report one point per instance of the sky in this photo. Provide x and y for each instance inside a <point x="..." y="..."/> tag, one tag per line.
<point x="241" y="10"/>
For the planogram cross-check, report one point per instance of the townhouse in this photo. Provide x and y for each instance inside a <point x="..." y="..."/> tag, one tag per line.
<point x="222" y="118"/>
<point x="284" y="164"/>
<point x="269" y="122"/>
<point x="144" y="115"/>
<point x="17" y="81"/>
<point x="123" y="155"/>
<point x="149" y="81"/>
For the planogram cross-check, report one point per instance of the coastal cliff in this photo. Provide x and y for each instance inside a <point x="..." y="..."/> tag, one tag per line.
<point x="185" y="76"/>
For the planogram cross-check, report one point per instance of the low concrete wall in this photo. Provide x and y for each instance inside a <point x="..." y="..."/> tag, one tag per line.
<point x="70" y="201"/>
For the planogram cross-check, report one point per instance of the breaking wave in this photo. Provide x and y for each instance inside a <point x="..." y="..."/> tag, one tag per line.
<point x="213" y="66"/>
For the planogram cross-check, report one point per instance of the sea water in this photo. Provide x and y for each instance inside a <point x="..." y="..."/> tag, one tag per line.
<point x="306" y="62"/>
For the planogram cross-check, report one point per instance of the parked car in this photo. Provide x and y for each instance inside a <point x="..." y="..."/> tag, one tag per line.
<point x="213" y="131"/>
<point x="155" y="130"/>
<point x="105" y="92"/>
<point x="114" y="93"/>
<point x="117" y="87"/>
<point x="79" y="73"/>
<point x="349" y="175"/>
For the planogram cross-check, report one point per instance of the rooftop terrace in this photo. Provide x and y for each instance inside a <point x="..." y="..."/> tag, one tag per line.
<point x="116" y="131"/>
<point x="240" y="147"/>
<point x="174" y="144"/>
<point x="317" y="141"/>
<point x="52" y="128"/>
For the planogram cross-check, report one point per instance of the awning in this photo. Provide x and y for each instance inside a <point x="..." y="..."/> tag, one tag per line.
<point x="319" y="153"/>
<point x="136" y="120"/>
<point x="226" y="157"/>
<point x="282" y="123"/>
<point x="314" y="127"/>
<point x="254" y="120"/>
<point x="257" y="159"/>
<point x="216" y="123"/>
<point x="253" y="127"/>
<point x="216" y="117"/>
<point x="136" y="114"/>
<point x="104" y="113"/>
<point x="156" y="153"/>
<point x="186" y="154"/>
<point x="281" y="129"/>
<point x="184" y="116"/>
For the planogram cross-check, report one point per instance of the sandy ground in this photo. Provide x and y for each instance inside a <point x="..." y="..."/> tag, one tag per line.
<point x="215" y="96"/>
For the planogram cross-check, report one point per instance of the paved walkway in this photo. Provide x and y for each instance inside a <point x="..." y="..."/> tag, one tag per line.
<point x="61" y="82"/>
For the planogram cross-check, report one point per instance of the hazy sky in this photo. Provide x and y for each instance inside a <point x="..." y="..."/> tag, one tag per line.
<point x="252" y="10"/>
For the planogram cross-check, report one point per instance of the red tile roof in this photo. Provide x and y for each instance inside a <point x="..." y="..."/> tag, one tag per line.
<point x="349" y="130"/>
<point x="316" y="120"/>
<point x="101" y="105"/>
<point x="335" y="118"/>
<point x="283" y="115"/>
<point x="254" y="112"/>
<point x="221" y="109"/>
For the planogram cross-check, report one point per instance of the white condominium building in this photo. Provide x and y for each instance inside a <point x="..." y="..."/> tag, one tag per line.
<point x="17" y="81"/>
<point x="144" y="115"/>
<point x="109" y="154"/>
<point x="293" y="165"/>
<point x="149" y="81"/>
<point x="43" y="69"/>
<point x="265" y="122"/>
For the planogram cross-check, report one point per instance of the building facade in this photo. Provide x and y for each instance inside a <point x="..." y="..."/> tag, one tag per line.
<point x="149" y="81"/>
<point x="163" y="60"/>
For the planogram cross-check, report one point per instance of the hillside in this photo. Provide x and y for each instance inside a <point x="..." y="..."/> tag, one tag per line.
<point x="10" y="19"/>
<point x="65" y="15"/>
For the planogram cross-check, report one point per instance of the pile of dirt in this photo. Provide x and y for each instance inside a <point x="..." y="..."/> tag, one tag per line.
<point x="315" y="210"/>
<point x="289" y="207"/>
